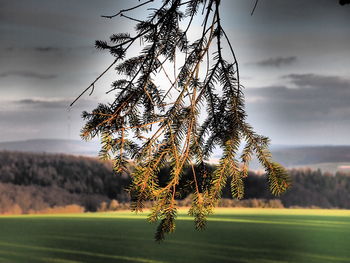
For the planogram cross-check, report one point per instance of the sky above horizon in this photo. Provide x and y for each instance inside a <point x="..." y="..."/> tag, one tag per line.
<point x="294" y="59"/>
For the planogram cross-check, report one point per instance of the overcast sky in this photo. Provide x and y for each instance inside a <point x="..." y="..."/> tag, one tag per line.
<point x="294" y="60"/>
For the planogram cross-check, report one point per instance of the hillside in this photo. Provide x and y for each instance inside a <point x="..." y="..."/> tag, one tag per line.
<point x="304" y="155"/>
<point x="39" y="181"/>
<point x="327" y="158"/>
<point x="75" y="147"/>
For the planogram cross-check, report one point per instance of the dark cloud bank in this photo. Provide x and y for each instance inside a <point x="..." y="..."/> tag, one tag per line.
<point x="305" y="98"/>
<point x="27" y="74"/>
<point x="53" y="103"/>
<point x="277" y="62"/>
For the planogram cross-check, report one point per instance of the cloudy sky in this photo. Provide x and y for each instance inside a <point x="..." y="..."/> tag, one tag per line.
<point x="294" y="60"/>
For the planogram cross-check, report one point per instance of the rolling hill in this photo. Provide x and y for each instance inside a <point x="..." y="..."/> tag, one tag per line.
<point x="325" y="157"/>
<point x="75" y="147"/>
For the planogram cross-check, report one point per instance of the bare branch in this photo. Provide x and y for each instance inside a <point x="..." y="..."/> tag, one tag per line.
<point x="91" y="86"/>
<point x="128" y="9"/>
<point x="255" y="5"/>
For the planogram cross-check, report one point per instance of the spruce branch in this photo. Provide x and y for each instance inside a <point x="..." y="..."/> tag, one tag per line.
<point x="178" y="122"/>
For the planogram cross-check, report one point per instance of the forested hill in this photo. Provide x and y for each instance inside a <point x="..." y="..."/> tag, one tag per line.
<point x="34" y="182"/>
<point x="65" y="179"/>
<point x="76" y="147"/>
<point x="304" y="155"/>
<point x="327" y="158"/>
<point x="289" y="156"/>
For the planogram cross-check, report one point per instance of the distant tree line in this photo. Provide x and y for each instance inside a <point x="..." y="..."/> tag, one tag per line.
<point x="78" y="175"/>
<point x="309" y="188"/>
<point x="21" y="199"/>
<point x="35" y="182"/>
<point x="38" y="182"/>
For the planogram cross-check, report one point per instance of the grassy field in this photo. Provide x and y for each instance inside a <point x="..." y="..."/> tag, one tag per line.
<point x="233" y="235"/>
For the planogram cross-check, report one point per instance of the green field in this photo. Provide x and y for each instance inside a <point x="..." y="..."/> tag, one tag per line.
<point x="233" y="235"/>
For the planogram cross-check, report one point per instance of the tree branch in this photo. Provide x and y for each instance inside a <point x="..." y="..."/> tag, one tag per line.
<point x="128" y="9"/>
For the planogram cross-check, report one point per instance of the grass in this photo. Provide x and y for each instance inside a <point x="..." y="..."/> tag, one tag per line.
<point x="232" y="235"/>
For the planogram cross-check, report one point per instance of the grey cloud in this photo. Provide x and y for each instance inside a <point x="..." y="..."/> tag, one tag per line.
<point x="43" y="103"/>
<point x="52" y="103"/>
<point x="322" y="11"/>
<point x="47" y="49"/>
<point x="9" y="49"/>
<point x="62" y="103"/>
<point x="318" y="81"/>
<point x="42" y="118"/>
<point x="27" y="74"/>
<point x="81" y="17"/>
<point x="30" y="52"/>
<point x="28" y="124"/>
<point x="314" y="98"/>
<point x="277" y="61"/>
<point x="62" y="50"/>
